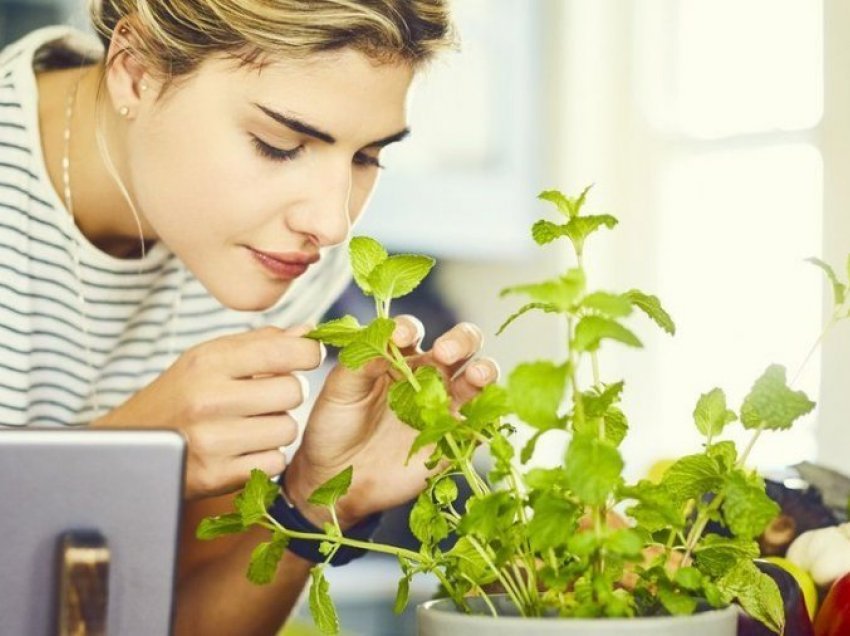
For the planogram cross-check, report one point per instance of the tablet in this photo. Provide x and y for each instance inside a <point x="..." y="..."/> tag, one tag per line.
<point x="112" y="498"/>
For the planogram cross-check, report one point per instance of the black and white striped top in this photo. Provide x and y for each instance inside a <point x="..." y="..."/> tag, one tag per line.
<point x="139" y="314"/>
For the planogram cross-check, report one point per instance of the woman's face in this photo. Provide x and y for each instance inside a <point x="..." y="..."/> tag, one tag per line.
<point x="244" y="173"/>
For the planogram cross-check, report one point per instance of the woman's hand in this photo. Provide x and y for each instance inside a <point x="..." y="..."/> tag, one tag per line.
<point x="351" y="425"/>
<point x="229" y="397"/>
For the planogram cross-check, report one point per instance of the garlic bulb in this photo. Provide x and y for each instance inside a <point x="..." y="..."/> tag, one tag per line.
<point x="824" y="552"/>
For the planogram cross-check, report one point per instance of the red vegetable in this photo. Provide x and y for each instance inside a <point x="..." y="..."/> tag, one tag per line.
<point x="833" y="618"/>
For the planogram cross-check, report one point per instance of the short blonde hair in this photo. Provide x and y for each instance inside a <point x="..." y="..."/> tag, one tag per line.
<point x="175" y="36"/>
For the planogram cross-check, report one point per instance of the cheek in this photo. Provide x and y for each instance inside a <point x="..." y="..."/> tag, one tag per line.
<point x="190" y="184"/>
<point x="363" y="186"/>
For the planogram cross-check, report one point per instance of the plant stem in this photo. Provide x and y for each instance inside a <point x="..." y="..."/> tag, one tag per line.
<point x="504" y="578"/>
<point x="342" y="540"/>
<point x="484" y="597"/>
<point x="527" y="554"/>
<point x="699" y="525"/>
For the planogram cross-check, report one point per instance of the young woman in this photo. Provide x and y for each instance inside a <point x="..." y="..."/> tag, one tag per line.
<point x="174" y="210"/>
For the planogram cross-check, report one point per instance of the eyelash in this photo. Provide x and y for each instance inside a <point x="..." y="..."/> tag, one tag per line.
<point x="278" y="154"/>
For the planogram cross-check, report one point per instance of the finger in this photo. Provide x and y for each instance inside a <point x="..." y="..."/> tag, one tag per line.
<point x="457" y="345"/>
<point x="472" y="379"/>
<point x="408" y="334"/>
<point x="269" y="394"/>
<point x="271" y="462"/>
<point x="237" y="437"/>
<point x="264" y="351"/>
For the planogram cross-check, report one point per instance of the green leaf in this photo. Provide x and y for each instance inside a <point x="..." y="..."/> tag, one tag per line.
<point x="214" y="527"/>
<point x="488" y="516"/>
<point x="688" y="578"/>
<point x="365" y="254"/>
<point x="528" y="449"/>
<point x="330" y="492"/>
<point x="432" y="395"/>
<point x="593" y="468"/>
<point x="580" y="227"/>
<point x="321" y="606"/>
<point x="402" y="595"/>
<point x="725" y="453"/>
<point x="553" y="522"/>
<point x="839" y="290"/>
<point x="565" y="205"/>
<point x="369" y="344"/>
<point x="436" y="428"/>
<point x="625" y="542"/>
<point x="338" y="333"/>
<point x="426" y="522"/>
<point x="546" y="307"/>
<point x="716" y="555"/>
<point x="501" y="450"/>
<point x="771" y="404"/>
<point x="445" y="491"/>
<point x="651" y="306"/>
<point x="757" y="593"/>
<point x="711" y="414"/>
<point x="408" y="405"/>
<point x="747" y="508"/>
<point x="469" y="562"/>
<point x="486" y="407"/>
<point x="544" y="232"/>
<point x="264" y="559"/>
<point x="616" y="425"/>
<point x="399" y="275"/>
<point x="692" y="476"/>
<point x="536" y="390"/>
<point x="591" y="330"/>
<point x="656" y="510"/>
<point x="402" y="401"/>
<point x="596" y="401"/>
<point x="610" y="305"/>
<point x="256" y="497"/>
<point x="546" y="479"/>
<point x="561" y="293"/>
<point x="675" y="601"/>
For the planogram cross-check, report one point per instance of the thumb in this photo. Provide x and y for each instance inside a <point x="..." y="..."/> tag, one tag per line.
<point x="347" y="386"/>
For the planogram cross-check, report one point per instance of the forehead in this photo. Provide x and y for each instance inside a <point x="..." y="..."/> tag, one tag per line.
<point x="344" y="92"/>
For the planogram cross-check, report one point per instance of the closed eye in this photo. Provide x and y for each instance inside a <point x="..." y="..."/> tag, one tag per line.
<point x="275" y="154"/>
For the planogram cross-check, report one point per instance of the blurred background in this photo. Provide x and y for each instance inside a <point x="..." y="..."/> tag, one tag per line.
<point x="717" y="132"/>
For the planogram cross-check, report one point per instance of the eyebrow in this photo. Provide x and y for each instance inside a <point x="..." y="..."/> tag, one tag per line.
<point x="311" y="131"/>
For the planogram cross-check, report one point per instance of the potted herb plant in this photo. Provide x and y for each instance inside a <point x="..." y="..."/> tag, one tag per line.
<point x="538" y="548"/>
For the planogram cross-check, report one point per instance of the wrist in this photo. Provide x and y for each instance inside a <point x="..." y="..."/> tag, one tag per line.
<point x="297" y="487"/>
<point x="288" y="515"/>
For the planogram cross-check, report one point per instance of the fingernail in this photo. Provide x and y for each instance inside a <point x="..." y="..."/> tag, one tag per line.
<point x="402" y="333"/>
<point x="323" y="353"/>
<point x="450" y="350"/>
<point x="482" y="372"/>
<point x="305" y="386"/>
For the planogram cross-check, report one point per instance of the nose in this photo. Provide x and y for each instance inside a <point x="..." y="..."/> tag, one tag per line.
<point x="325" y="211"/>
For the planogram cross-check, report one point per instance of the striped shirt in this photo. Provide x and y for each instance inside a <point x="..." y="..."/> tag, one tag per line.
<point x="63" y="340"/>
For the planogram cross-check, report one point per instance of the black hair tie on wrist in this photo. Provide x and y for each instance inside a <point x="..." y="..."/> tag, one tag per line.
<point x="287" y="515"/>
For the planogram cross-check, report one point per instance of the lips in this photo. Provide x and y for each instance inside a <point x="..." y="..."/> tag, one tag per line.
<point x="284" y="265"/>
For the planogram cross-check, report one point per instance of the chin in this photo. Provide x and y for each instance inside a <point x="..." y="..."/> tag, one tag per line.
<point x="244" y="300"/>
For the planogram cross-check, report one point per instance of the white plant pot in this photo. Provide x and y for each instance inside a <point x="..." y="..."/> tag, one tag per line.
<point x="441" y="618"/>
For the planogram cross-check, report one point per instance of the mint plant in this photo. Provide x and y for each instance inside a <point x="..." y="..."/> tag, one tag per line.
<point x="543" y="536"/>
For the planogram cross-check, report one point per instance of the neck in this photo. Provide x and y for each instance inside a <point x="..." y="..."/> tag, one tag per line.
<point x="101" y="211"/>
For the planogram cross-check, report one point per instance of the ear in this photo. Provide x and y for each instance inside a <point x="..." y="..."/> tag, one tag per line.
<point x="128" y="80"/>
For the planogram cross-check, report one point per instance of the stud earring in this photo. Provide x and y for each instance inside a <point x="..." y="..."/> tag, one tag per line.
<point x="124" y="111"/>
<point x="143" y="86"/>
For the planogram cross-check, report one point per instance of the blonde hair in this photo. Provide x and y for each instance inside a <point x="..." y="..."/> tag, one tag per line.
<point x="175" y="36"/>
